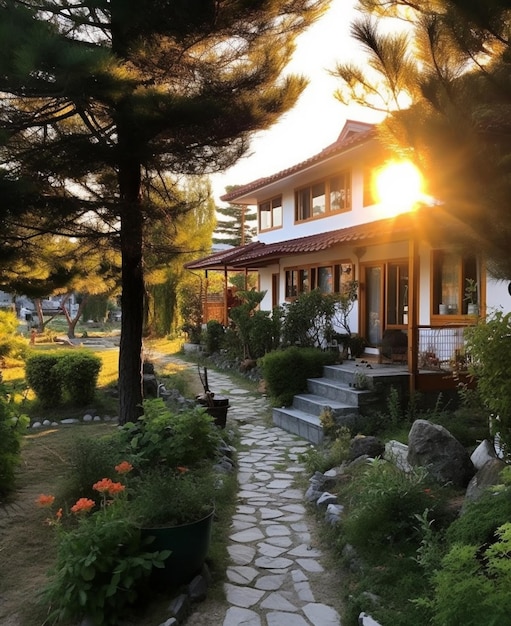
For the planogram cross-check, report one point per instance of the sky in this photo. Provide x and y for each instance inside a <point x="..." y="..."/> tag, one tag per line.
<point x="317" y="119"/>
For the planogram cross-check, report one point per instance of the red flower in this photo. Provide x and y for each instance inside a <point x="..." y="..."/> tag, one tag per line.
<point x="83" y="505"/>
<point x="106" y="485"/>
<point x="45" y="501"/>
<point x="181" y="469"/>
<point x="124" y="467"/>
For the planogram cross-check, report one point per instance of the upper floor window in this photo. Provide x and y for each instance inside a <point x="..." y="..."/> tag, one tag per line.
<point x="270" y="214"/>
<point x="452" y="272"/>
<point x="329" y="196"/>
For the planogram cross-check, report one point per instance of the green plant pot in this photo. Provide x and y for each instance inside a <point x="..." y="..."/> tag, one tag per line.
<point x="189" y="545"/>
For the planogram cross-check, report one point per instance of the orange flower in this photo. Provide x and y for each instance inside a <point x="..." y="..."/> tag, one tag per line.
<point x="83" y="505"/>
<point x="45" y="501"/>
<point x="181" y="469"/>
<point x="124" y="467"/>
<point x="106" y="485"/>
<point x="58" y="514"/>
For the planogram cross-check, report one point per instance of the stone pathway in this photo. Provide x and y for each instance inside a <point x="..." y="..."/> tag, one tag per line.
<point x="277" y="576"/>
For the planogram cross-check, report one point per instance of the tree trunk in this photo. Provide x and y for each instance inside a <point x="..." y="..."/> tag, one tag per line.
<point x="132" y="299"/>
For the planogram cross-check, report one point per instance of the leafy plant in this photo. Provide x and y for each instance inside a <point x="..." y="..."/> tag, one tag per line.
<point x="43" y="378"/>
<point x="171" y="498"/>
<point x="11" y="428"/>
<point x="171" y="438"/>
<point x="472" y="586"/>
<point x="78" y="373"/>
<point x="470" y="290"/>
<point x="489" y="345"/>
<point x="214" y="335"/>
<point x="286" y="371"/>
<point x="102" y="567"/>
<point x="309" y="318"/>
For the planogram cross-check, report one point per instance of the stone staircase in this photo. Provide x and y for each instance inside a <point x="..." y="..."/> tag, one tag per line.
<point x="349" y="390"/>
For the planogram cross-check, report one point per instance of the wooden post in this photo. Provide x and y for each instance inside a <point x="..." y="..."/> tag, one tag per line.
<point x="413" y="311"/>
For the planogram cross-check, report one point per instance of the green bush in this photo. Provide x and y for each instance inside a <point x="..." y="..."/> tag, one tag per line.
<point x="78" y="374"/>
<point x="43" y="378"/>
<point x="473" y="585"/>
<point x="480" y="519"/>
<point x="11" y="344"/>
<point x="10" y="444"/>
<point x="309" y="318"/>
<point x="165" y="437"/>
<point x="286" y="371"/>
<point x="384" y="503"/>
<point x="488" y="347"/>
<point x="214" y="335"/>
<point x="51" y="374"/>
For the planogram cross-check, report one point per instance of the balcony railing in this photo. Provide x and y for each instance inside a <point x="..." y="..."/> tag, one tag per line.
<point x="442" y="348"/>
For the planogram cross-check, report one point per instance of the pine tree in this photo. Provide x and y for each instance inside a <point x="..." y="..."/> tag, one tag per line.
<point x="238" y="227"/>
<point x="451" y="66"/>
<point x="116" y="88"/>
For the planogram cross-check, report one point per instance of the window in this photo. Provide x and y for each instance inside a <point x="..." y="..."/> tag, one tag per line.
<point x="329" y="196"/>
<point x="270" y="214"/>
<point x="397" y="293"/>
<point x="326" y="278"/>
<point x="450" y="272"/>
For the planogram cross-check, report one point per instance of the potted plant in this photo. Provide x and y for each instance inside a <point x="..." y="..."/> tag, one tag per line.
<point x="103" y="563"/>
<point x="471" y="296"/>
<point x="174" y="510"/>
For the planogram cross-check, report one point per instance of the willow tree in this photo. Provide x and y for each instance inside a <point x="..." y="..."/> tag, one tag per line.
<point x="125" y="87"/>
<point x="442" y="70"/>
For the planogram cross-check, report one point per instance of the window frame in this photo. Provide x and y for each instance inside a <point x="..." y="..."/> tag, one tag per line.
<point x="305" y="210"/>
<point x="296" y="284"/>
<point x="466" y="266"/>
<point x="273" y="203"/>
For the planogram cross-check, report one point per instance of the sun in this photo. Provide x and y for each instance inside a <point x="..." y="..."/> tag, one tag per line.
<point x="399" y="186"/>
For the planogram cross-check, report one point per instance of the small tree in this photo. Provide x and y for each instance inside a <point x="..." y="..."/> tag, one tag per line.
<point x="489" y="347"/>
<point x="309" y="318"/>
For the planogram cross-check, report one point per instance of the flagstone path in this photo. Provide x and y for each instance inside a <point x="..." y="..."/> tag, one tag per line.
<point x="277" y="575"/>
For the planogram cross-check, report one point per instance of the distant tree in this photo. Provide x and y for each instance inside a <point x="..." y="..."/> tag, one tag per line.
<point x="445" y="79"/>
<point x="115" y="88"/>
<point x="238" y="227"/>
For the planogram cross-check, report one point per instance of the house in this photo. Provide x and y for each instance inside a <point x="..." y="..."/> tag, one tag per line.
<point x="320" y="225"/>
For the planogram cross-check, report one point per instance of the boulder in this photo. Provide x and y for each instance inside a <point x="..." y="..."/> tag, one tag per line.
<point x="432" y="446"/>
<point x="487" y="476"/>
<point x="366" y="446"/>
<point x="397" y="453"/>
<point x="484" y="452"/>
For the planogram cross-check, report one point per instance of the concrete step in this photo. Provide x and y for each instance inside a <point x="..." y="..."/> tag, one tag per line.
<point x="299" y="423"/>
<point x="336" y="391"/>
<point x="314" y="404"/>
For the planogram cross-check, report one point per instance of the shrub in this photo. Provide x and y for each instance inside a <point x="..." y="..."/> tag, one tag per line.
<point x="214" y="335"/>
<point x="53" y="373"/>
<point x="164" y="437"/>
<point x="286" y="371"/>
<point x="472" y="587"/>
<point x="383" y="506"/>
<point x="309" y="318"/>
<point x="10" y="444"/>
<point x="78" y="373"/>
<point x="489" y="346"/>
<point x="43" y="378"/>
<point x="11" y="344"/>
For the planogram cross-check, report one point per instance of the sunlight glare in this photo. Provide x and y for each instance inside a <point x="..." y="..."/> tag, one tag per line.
<point x="399" y="186"/>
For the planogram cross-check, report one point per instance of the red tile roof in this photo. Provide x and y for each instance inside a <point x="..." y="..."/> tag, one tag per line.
<point x="345" y="141"/>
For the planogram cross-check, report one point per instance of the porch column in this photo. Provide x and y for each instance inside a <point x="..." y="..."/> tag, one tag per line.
<point x="413" y="311"/>
<point x="226" y="305"/>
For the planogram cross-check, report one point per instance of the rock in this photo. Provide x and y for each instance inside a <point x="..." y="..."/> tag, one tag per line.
<point x="366" y="446"/>
<point x="326" y="498"/>
<point x="367" y="620"/>
<point x="482" y="454"/>
<point x="397" y="453"/>
<point x="333" y="513"/>
<point x="433" y="447"/>
<point x="487" y="476"/>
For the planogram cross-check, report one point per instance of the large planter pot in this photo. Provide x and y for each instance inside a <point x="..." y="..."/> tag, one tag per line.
<point x="189" y="545"/>
<point x="216" y="406"/>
